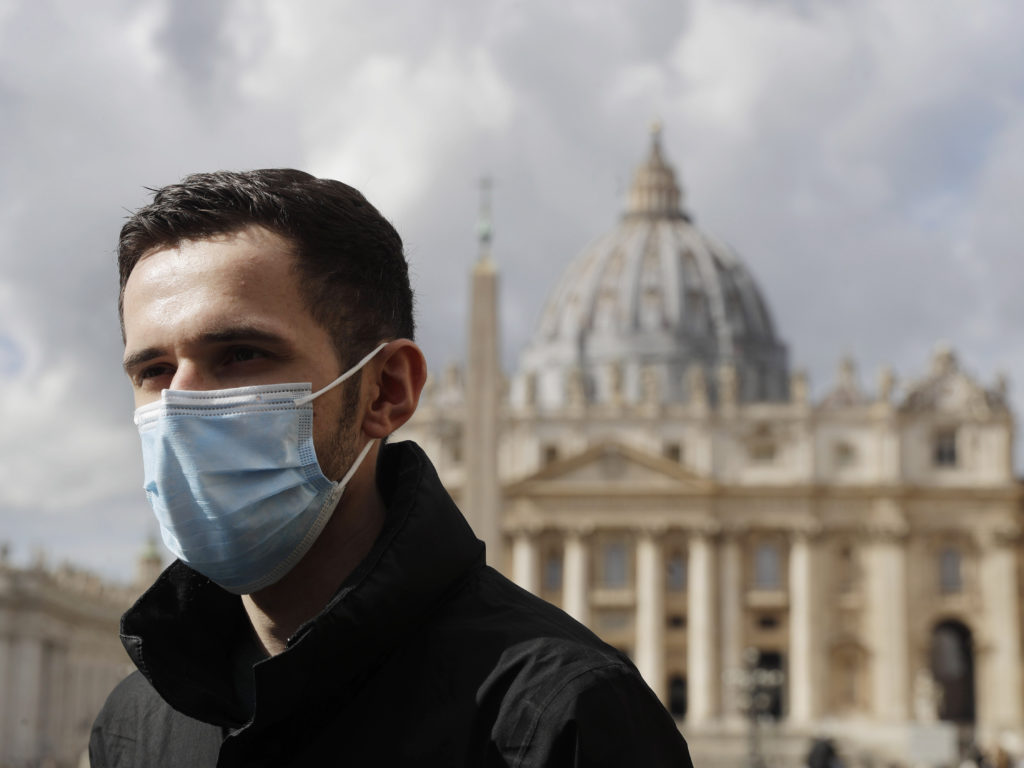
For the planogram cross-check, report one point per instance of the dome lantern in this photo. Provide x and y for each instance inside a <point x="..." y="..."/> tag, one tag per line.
<point x="655" y="193"/>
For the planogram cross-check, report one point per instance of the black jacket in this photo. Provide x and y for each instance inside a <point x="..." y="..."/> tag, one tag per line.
<point x="425" y="657"/>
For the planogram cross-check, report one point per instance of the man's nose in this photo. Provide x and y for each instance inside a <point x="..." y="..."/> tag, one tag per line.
<point x="188" y="375"/>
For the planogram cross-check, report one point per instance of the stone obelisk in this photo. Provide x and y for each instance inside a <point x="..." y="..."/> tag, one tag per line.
<point x="482" y="499"/>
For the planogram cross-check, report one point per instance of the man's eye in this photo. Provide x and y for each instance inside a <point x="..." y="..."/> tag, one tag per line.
<point x="152" y="372"/>
<point x="244" y="355"/>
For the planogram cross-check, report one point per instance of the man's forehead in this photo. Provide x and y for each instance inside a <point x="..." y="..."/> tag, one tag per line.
<point x="244" y="279"/>
<point x="253" y="234"/>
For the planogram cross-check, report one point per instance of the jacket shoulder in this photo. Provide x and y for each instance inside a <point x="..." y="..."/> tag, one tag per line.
<point x="567" y="704"/>
<point x="137" y="727"/>
<point x="556" y="694"/>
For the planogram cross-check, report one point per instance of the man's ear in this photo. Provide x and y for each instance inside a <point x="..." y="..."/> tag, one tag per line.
<point x="399" y="372"/>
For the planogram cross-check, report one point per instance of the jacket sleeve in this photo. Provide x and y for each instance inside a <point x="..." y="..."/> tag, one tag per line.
<point x="602" y="718"/>
<point x="136" y="728"/>
<point x="110" y="745"/>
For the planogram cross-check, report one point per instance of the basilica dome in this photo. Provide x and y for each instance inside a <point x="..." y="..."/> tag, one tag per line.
<point x="648" y="304"/>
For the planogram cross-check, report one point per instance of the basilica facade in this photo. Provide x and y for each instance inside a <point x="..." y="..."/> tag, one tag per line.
<point x="844" y="566"/>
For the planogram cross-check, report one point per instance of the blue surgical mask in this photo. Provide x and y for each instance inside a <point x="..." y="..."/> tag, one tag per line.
<point x="233" y="478"/>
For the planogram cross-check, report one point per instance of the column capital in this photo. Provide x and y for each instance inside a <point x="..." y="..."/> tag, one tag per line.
<point x="1003" y="534"/>
<point x="888" y="532"/>
<point x="654" y="530"/>
<point x="705" y="529"/>
<point x="734" y="531"/>
<point x="579" y="530"/>
<point x="808" y="532"/>
<point x="528" y="528"/>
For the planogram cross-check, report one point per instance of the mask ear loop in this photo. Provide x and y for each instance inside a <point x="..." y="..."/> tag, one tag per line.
<point x="350" y="372"/>
<point x="355" y="465"/>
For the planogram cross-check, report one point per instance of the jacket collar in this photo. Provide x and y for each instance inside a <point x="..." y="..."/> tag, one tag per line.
<point x="182" y="633"/>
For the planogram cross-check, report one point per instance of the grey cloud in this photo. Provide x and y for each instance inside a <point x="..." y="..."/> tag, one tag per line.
<point x="872" y="196"/>
<point x="192" y="37"/>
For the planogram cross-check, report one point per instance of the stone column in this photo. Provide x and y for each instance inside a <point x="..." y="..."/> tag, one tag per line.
<point x="731" y="599"/>
<point x="575" y="586"/>
<point x="886" y="571"/>
<point x="25" y="696"/>
<point x="7" y="700"/>
<point x="701" y="636"/>
<point x="525" y="568"/>
<point x="803" y="648"/>
<point x="56" y="711"/>
<point x="999" y="684"/>
<point x="650" y="611"/>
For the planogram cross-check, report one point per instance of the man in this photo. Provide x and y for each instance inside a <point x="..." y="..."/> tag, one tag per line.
<point x="329" y="606"/>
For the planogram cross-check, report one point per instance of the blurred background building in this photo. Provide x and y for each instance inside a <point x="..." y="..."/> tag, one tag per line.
<point x="60" y="655"/>
<point x="656" y="469"/>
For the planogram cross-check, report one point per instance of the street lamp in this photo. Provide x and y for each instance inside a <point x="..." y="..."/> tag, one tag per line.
<point x="759" y="688"/>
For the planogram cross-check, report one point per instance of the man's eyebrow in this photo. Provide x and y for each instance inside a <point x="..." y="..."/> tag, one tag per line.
<point x="140" y="357"/>
<point x="222" y="336"/>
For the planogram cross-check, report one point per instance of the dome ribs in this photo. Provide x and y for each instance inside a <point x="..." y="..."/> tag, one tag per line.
<point x="648" y="301"/>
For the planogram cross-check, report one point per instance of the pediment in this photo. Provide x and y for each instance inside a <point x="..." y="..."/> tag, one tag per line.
<point x="955" y="394"/>
<point x="611" y="468"/>
<point x="950" y="390"/>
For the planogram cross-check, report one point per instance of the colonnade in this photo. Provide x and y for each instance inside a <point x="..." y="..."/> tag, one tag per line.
<point x="717" y="615"/>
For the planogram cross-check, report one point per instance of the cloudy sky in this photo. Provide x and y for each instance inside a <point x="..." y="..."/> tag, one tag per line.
<point x="865" y="158"/>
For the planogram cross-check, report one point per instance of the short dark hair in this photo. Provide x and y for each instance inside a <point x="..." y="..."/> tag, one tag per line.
<point x="352" y="268"/>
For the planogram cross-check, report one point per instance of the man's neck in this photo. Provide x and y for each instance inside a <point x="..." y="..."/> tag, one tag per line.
<point x="279" y="610"/>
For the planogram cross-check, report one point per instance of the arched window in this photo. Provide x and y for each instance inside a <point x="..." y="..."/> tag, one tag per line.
<point x="952" y="663"/>
<point x="767" y="567"/>
<point x="549" y="454"/>
<point x="614" y="569"/>
<point x="673" y="451"/>
<point x="676" y="572"/>
<point x="551" y="576"/>
<point x="847" y="575"/>
<point x="944" y="448"/>
<point x="950" y="571"/>
<point x="845" y="454"/>
<point x="677" y="696"/>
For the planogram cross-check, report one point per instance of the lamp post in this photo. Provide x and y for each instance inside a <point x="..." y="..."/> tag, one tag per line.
<point x="759" y="688"/>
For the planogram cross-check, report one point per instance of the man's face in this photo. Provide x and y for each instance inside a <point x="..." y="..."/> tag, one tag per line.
<point x="226" y="312"/>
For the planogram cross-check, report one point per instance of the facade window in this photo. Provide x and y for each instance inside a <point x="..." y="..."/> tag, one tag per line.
<point x="552" y="572"/>
<point x="676" y="621"/>
<point x="768" y="621"/>
<point x="845" y="455"/>
<point x="549" y="454"/>
<point x="677" y="696"/>
<point x="944" y="448"/>
<point x="762" y="445"/>
<point x="676" y="572"/>
<point x="673" y="452"/>
<point x="767" y="567"/>
<point x="614" y="569"/>
<point x="846" y="570"/>
<point x="950" y="572"/>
